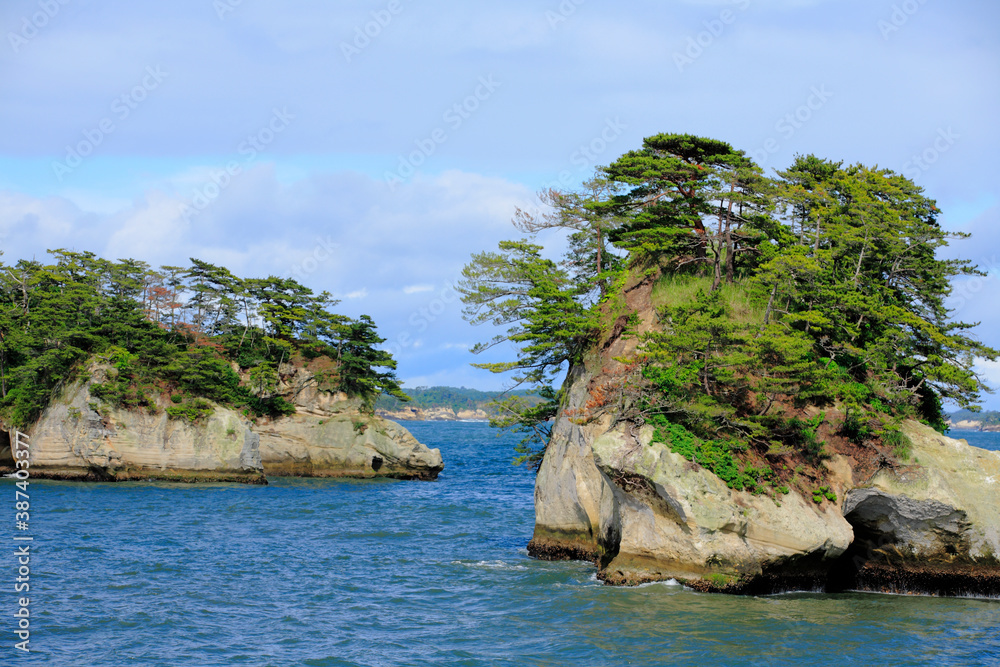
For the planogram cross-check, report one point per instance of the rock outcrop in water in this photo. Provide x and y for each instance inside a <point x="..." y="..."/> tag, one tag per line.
<point x="644" y="513"/>
<point x="78" y="437"/>
<point x="973" y="425"/>
<point x="934" y="527"/>
<point x="330" y="436"/>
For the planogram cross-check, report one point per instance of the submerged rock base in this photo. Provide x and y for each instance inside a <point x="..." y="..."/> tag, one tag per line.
<point x="98" y="474"/>
<point x="959" y="580"/>
<point x="566" y="547"/>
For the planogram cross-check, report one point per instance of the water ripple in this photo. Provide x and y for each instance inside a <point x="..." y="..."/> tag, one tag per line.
<point x="378" y="572"/>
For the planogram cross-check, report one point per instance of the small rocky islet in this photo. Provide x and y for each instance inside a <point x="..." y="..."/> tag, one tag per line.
<point x="746" y="375"/>
<point x="117" y="371"/>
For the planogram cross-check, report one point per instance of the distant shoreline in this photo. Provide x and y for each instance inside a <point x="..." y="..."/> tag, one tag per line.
<point x="975" y="427"/>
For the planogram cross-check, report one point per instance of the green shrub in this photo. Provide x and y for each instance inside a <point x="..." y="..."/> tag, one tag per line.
<point x="901" y="445"/>
<point x="824" y="492"/>
<point x="719" y="580"/>
<point x="855" y="428"/>
<point x="714" y="455"/>
<point x="193" y="411"/>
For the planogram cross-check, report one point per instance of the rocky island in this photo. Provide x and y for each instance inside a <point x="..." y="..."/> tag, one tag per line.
<point x="117" y="372"/>
<point x="756" y="370"/>
<point x="613" y="495"/>
<point x="448" y="404"/>
<point x="333" y="435"/>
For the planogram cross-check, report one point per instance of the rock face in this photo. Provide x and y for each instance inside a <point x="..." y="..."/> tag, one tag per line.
<point x="330" y="437"/>
<point x="344" y="445"/>
<point x="78" y="437"/>
<point x="643" y="513"/>
<point x="933" y="527"/>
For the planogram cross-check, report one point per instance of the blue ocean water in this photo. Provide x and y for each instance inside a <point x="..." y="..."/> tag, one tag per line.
<point x="984" y="439"/>
<point x="340" y="572"/>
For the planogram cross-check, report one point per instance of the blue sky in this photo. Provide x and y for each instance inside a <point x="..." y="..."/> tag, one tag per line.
<point x="368" y="148"/>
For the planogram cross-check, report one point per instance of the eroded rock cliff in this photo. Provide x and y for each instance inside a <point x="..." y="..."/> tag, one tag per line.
<point x="932" y="527"/>
<point x="643" y="513"/>
<point x="331" y="436"/>
<point x="80" y="437"/>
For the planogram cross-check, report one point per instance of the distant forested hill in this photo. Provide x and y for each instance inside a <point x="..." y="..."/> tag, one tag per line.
<point x="456" y="398"/>
<point x="987" y="418"/>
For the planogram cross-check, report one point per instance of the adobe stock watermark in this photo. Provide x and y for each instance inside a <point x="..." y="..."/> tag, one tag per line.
<point x="423" y="317"/>
<point x="790" y="123"/>
<point x="223" y="7"/>
<point x="453" y="117"/>
<point x="321" y="253"/>
<point x="220" y="179"/>
<point x="899" y="16"/>
<point x="20" y="451"/>
<point x="923" y="161"/>
<point x="364" y="34"/>
<point x="704" y="39"/>
<point x="585" y="157"/>
<point x="967" y="290"/>
<point x="562" y="13"/>
<point x="121" y="108"/>
<point x="32" y="25"/>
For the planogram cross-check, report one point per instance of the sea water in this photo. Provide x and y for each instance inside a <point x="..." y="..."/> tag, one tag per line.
<point x="378" y="572"/>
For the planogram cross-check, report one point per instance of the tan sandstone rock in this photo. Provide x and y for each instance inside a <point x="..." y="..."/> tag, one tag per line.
<point x="644" y="513"/>
<point x="331" y="436"/>
<point x="79" y="437"/>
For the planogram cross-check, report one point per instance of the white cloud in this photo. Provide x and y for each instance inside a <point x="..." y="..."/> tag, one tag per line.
<point x="338" y="230"/>
<point x="358" y="294"/>
<point x="989" y="371"/>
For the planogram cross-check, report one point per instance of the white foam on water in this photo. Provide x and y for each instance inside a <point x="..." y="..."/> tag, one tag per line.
<point x="490" y="565"/>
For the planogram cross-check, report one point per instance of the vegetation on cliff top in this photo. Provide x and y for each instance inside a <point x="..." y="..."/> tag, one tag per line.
<point x="174" y="331"/>
<point x="818" y="289"/>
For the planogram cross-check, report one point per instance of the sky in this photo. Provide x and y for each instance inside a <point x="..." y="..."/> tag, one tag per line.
<point x="369" y="148"/>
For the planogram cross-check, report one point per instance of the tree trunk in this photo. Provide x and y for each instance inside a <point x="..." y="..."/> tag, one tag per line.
<point x="770" y="304"/>
<point x="730" y="251"/>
